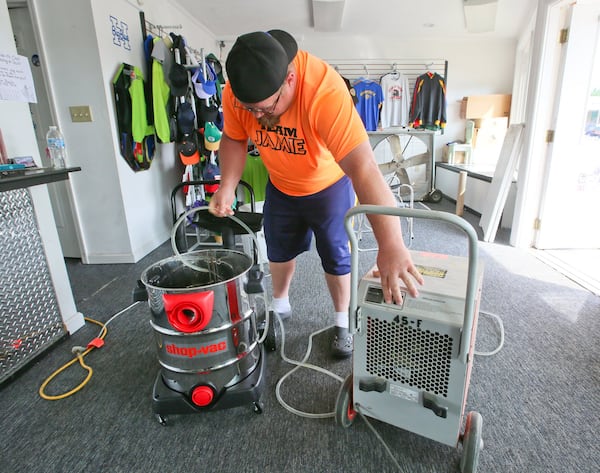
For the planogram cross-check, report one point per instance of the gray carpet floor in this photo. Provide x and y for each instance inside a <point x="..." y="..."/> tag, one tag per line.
<point x="537" y="396"/>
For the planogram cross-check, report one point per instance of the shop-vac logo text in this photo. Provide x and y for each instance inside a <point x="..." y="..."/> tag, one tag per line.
<point x="191" y="352"/>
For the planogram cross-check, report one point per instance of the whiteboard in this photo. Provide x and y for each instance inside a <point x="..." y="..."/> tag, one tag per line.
<point x="503" y="176"/>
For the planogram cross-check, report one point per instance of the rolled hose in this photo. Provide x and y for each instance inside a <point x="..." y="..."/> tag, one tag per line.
<point x="191" y="211"/>
<point x="182" y="258"/>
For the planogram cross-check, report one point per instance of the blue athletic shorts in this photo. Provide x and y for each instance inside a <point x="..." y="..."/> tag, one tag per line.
<point x="289" y="223"/>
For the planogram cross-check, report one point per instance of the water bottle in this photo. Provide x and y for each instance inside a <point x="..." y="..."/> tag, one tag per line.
<point x="56" y="147"/>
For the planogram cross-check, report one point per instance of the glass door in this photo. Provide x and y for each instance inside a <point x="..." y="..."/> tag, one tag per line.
<point x="569" y="210"/>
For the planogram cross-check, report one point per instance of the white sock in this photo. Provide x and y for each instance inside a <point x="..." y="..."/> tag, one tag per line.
<point x="341" y="319"/>
<point x="281" y="305"/>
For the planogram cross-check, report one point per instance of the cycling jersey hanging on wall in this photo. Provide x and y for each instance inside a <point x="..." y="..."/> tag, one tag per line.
<point x="428" y="108"/>
<point x="370" y="98"/>
<point x="136" y="137"/>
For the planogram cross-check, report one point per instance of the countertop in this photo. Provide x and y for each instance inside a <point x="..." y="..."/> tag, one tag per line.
<point x="28" y="177"/>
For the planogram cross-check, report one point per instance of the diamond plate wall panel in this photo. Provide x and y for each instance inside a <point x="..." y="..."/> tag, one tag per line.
<point x="30" y="319"/>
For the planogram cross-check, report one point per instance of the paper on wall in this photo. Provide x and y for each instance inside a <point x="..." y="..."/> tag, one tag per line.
<point x="16" y="81"/>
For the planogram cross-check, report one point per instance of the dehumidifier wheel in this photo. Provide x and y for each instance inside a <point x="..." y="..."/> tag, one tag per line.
<point x="257" y="407"/>
<point x="344" y="407"/>
<point x="472" y="443"/>
<point x="435" y="196"/>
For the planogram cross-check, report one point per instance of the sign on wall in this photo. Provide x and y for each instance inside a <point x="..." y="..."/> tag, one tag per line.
<point x="120" y="32"/>
<point x="16" y="81"/>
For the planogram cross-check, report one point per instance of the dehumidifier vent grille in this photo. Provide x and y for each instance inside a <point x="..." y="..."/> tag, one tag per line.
<point x="409" y="355"/>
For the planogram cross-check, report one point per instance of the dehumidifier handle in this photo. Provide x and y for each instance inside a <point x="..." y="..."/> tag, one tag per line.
<point x="417" y="213"/>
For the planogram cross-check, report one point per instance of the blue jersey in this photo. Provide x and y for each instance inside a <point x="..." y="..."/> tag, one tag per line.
<point x="370" y="98"/>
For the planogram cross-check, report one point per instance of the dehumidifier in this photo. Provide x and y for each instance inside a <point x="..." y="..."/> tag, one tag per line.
<point x="412" y="362"/>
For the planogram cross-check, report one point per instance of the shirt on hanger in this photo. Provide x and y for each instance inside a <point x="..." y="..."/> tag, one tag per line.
<point x="395" y="108"/>
<point x="370" y="98"/>
<point x="428" y="109"/>
<point x="351" y="90"/>
<point x="163" y="107"/>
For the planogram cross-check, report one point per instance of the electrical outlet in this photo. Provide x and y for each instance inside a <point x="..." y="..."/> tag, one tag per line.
<point x="81" y="113"/>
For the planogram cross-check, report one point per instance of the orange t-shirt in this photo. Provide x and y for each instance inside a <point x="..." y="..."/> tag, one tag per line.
<point x="319" y="129"/>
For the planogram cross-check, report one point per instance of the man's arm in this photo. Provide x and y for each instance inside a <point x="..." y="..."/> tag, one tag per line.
<point x="232" y="160"/>
<point x="393" y="258"/>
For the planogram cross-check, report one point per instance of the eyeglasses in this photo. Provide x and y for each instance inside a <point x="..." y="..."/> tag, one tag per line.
<point x="264" y="111"/>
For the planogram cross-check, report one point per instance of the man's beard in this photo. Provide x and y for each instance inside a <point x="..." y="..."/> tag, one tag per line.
<point x="268" y="121"/>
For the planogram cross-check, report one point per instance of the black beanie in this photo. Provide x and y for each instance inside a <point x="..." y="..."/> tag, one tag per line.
<point x="257" y="64"/>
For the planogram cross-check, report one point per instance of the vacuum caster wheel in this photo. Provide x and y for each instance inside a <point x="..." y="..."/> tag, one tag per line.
<point x="258" y="407"/>
<point x="344" y="407"/>
<point x="472" y="443"/>
<point x="435" y="196"/>
<point x="272" y="337"/>
<point x="162" y="420"/>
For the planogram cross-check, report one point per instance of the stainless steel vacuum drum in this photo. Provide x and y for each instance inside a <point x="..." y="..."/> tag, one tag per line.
<point x="205" y="330"/>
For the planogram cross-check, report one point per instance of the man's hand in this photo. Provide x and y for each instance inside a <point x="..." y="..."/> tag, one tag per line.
<point x="221" y="203"/>
<point x="394" y="266"/>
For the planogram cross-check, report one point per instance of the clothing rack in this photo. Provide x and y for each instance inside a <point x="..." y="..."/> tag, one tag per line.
<point x="161" y="30"/>
<point x="374" y="69"/>
<point x="156" y="30"/>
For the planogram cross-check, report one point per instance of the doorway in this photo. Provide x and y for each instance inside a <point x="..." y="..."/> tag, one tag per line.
<point x="569" y="201"/>
<point x="42" y="118"/>
<point x="568" y="234"/>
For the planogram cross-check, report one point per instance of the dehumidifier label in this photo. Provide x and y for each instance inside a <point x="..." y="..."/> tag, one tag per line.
<point x="404" y="393"/>
<point x="431" y="271"/>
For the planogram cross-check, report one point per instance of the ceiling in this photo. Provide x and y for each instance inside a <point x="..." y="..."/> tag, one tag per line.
<point x="227" y="19"/>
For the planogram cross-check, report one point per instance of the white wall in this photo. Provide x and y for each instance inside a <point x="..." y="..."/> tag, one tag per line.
<point x="146" y="203"/>
<point x="19" y="136"/>
<point x="122" y="215"/>
<point x="69" y="55"/>
<point x="475" y="67"/>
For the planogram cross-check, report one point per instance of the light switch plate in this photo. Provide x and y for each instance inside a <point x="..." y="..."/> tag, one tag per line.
<point x="81" y="113"/>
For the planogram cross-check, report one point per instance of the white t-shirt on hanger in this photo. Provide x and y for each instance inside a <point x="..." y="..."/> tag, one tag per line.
<point x="396" y="100"/>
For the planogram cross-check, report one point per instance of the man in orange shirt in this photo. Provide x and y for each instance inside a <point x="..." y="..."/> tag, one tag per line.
<point x="299" y="114"/>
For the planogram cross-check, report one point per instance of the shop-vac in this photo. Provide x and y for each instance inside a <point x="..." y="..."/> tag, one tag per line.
<point x="208" y="334"/>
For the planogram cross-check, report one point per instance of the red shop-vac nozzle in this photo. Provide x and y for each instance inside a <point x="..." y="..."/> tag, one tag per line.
<point x="189" y="312"/>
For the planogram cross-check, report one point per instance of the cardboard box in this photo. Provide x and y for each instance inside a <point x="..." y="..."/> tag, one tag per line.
<point x="485" y="106"/>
